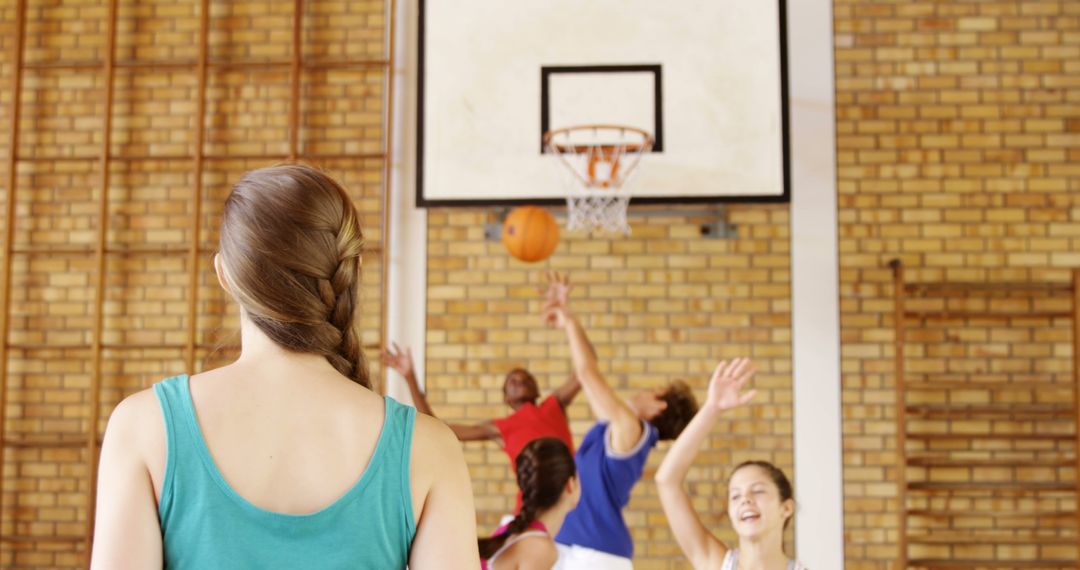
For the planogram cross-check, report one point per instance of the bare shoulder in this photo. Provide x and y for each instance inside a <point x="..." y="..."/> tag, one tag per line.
<point x="536" y="552"/>
<point x="434" y="442"/>
<point x="135" y="435"/>
<point x="136" y="416"/>
<point x="437" y="463"/>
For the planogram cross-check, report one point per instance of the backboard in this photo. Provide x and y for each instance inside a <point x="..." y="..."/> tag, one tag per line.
<point x="706" y="79"/>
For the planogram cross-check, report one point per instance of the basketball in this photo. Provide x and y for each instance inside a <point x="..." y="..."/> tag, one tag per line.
<point x="530" y="233"/>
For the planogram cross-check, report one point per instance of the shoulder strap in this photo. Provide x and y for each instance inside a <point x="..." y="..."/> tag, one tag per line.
<point x="731" y="560"/>
<point x="513" y="540"/>
<point x="400" y="421"/>
<point x="175" y="401"/>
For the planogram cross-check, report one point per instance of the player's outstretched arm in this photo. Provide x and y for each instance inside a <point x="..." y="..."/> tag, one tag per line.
<point x="401" y="361"/>
<point x="701" y="547"/>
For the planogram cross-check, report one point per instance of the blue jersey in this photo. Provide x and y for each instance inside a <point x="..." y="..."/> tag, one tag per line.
<point x="606" y="479"/>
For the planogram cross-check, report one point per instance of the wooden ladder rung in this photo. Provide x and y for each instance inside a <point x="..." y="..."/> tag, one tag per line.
<point x="259" y="64"/>
<point x="1019" y="463"/>
<point x="49" y="442"/>
<point x="988" y="386"/>
<point x="178" y="157"/>
<point x="993" y="436"/>
<point x="968" y="411"/>
<point x="992" y="514"/>
<point x="945" y="314"/>
<point x="989" y="287"/>
<point x="975" y="562"/>
<point x="942" y="538"/>
<point x="29" y="538"/>
<point x="114" y="346"/>
<point x="990" y="486"/>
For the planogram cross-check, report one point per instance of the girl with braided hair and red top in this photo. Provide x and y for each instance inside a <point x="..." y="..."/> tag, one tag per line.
<point x="285" y="458"/>
<point x="549" y="489"/>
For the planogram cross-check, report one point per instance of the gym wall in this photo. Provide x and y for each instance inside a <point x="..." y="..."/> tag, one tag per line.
<point x="151" y="208"/>
<point x="958" y="153"/>
<point x="957" y="150"/>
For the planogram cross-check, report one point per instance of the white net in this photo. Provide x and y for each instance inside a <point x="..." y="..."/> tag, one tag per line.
<point x="599" y="161"/>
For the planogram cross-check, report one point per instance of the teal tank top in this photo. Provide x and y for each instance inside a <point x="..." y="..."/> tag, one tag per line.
<point x="205" y="524"/>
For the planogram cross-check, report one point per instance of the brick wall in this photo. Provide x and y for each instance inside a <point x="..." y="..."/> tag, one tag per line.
<point x="150" y="209"/>
<point x="661" y="304"/>
<point x="957" y="152"/>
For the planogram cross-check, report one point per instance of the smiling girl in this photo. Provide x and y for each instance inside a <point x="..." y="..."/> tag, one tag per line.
<point x="760" y="502"/>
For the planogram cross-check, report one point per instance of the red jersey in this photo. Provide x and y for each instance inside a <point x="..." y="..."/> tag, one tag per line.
<point x="530" y="422"/>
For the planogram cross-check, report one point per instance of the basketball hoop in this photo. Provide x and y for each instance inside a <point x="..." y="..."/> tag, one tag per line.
<point x="600" y="159"/>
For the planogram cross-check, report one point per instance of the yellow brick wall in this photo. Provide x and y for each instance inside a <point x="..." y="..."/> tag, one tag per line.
<point x="957" y="149"/>
<point x="150" y="209"/>
<point x="661" y="304"/>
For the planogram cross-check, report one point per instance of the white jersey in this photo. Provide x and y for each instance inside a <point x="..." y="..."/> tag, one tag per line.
<point x="731" y="561"/>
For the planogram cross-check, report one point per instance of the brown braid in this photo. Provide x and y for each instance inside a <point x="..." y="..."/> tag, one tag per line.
<point x="348" y="357"/>
<point x="543" y="468"/>
<point x="291" y="245"/>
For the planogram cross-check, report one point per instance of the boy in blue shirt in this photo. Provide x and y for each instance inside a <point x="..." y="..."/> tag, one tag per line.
<point x="612" y="455"/>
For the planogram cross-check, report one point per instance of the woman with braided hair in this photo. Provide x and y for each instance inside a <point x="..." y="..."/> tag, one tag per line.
<point x="284" y="458"/>
<point x="549" y="489"/>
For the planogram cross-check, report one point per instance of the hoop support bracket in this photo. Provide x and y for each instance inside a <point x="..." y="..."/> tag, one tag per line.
<point x="717" y="228"/>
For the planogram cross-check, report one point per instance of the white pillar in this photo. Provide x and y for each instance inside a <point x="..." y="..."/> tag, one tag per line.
<point x="407" y="240"/>
<point x="819" y="479"/>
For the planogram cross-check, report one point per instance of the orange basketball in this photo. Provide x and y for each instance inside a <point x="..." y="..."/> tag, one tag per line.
<point x="530" y="233"/>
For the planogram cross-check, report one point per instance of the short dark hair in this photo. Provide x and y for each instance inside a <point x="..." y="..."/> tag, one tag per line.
<point x="681" y="407"/>
<point x="518" y="371"/>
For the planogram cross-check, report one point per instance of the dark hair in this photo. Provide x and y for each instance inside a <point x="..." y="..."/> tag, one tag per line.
<point x="518" y="372"/>
<point x="783" y="485"/>
<point x="543" y="468"/>
<point x="529" y="378"/>
<point x="290" y="247"/>
<point x="681" y="407"/>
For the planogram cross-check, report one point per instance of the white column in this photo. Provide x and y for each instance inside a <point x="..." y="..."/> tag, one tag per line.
<point x="819" y="482"/>
<point x="407" y="272"/>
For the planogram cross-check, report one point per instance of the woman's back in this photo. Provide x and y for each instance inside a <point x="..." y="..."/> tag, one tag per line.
<point x="307" y="469"/>
<point x="288" y="441"/>
<point x="268" y="507"/>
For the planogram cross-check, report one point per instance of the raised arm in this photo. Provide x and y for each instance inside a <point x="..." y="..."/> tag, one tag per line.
<point x="624" y="425"/>
<point x="558" y="291"/>
<point x="701" y="547"/>
<point x="485" y="431"/>
<point x="567" y="391"/>
<point x="402" y="362"/>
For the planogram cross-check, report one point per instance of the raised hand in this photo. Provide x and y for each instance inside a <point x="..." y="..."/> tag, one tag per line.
<point x="556" y="295"/>
<point x="558" y="287"/>
<point x="398" y="359"/>
<point x="727" y="382"/>
<point x="555" y="314"/>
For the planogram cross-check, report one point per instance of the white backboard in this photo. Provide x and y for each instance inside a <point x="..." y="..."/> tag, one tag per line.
<point x="706" y="78"/>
